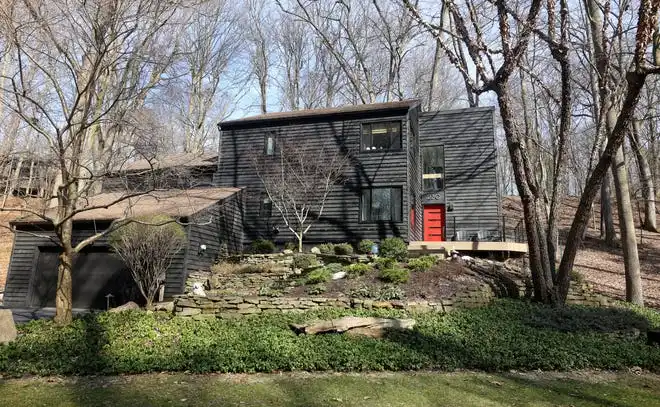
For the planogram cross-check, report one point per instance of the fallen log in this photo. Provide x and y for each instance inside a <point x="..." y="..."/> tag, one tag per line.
<point x="368" y="326"/>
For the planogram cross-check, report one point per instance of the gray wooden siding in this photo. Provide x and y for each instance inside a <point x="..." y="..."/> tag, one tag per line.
<point x="26" y="249"/>
<point x="340" y="220"/>
<point x="471" y="185"/>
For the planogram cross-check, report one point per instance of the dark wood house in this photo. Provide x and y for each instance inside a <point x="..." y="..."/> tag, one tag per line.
<point x="416" y="175"/>
<point x="212" y="219"/>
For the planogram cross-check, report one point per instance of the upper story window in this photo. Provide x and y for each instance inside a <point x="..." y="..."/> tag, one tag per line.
<point x="270" y="143"/>
<point x="433" y="161"/>
<point x="381" y="204"/>
<point x="381" y="136"/>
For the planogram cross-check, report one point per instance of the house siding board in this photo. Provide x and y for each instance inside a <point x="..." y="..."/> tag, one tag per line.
<point x="470" y="166"/>
<point x="340" y="219"/>
<point x="27" y="242"/>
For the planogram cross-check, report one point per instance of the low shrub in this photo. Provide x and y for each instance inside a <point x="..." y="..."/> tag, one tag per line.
<point x="423" y="263"/>
<point x="268" y="291"/>
<point x="385" y="293"/>
<point x="394" y="275"/>
<point x="262" y="246"/>
<point x="505" y="336"/>
<point x="316" y="289"/>
<point x="390" y="292"/>
<point x="577" y="276"/>
<point x="319" y="275"/>
<point x="357" y="269"/>
<point x="383" y="263"/>
<point x="395" y="248"/>
<point x="343" y="249"/>
<point x="365" y="246"/>
<point x="326" y="248"/>
<point x="293" y="246"/>
<point x="335" y="267"/>
<point x="304" y="260"/>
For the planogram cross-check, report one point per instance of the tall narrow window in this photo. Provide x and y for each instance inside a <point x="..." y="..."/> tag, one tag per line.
<point x="381" y="136"/>
<point x="381" y="204"/>
<point x="433" y="160"/>
<point x="265" y="207"/>
<point x="269" y="144"/>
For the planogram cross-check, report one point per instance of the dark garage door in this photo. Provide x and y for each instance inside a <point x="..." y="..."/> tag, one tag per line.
<point x="96" y="273"/>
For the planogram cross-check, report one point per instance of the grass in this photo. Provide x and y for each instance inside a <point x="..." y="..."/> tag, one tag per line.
<point x="507" y="335"/>
<point x="380" y="389"/>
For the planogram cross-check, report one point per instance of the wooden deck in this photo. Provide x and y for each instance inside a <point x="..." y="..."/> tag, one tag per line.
<point x="431" y="247"/>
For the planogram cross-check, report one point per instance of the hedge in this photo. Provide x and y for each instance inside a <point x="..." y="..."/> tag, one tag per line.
<point x="507" y="335"/>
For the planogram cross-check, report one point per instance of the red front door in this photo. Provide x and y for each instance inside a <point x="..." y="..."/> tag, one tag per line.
<point x="434" y="222"/>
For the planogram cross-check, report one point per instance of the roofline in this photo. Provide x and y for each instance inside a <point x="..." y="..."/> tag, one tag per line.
<point x="461" y="110"/>
<point x="35" y="222"/>
<point x="299" y="115"/>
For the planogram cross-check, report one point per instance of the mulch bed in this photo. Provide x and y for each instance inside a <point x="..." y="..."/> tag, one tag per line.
<point x="441" y="281"/>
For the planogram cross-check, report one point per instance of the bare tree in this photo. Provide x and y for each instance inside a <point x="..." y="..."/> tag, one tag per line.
<point x="646" y="178"/>
<point x="260" y="39"/>
<point x="147" y="245"/>
<point x="609" y="85"/>
<point x="207" y="83"/>
<point x="298" y="181"/>
<point x="493" y="68"/>
<point x="76" y="50"/>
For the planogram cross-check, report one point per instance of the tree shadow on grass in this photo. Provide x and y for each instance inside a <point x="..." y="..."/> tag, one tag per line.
<point x="518" y="389"/>
<point x="528" y="337"/>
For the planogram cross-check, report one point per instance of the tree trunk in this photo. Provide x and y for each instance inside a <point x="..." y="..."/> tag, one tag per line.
<point x="607" y="230"/>
<point x="300" y="241"/>
<point x="646" y="179"/>
<point x="635" y="81"/>
<point x="634" y="292"/>
<point x="539" y="261"/>
<point x="64" y="294"/>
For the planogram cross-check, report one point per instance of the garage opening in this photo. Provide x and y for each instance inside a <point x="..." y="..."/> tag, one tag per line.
<point x="97" y="272"/>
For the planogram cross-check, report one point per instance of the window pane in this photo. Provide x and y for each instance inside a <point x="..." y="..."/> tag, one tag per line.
<point x="381" y="136"/>
<point x="266" y="207"/>
<point x="366" y="137"/>
<point x="433" y="161"/>
<point x="270" y="145"/>
<point x="365" y="205"/>
<point x="381" y="204"/>
<point x="396" y="204"/>
<point x="395" y="135"/>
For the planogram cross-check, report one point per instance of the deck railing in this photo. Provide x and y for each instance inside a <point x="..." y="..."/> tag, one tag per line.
<point x="485" y="229"/>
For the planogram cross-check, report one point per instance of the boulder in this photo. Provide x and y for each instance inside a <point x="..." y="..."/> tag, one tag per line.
<point x="198" y="289"/>
<point x="7" y="327"/>
<point x="316" y="250"/>
<point x="164" y="306"/>
<point x="339" y="275"/>
<point x="128" y="306"/>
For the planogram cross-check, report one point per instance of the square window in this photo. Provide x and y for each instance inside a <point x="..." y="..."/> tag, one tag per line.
<point x="381" y="136"/>
<point x="381" y="204"/>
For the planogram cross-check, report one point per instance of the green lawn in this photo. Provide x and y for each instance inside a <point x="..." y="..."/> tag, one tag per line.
<point x="368" y="389"/>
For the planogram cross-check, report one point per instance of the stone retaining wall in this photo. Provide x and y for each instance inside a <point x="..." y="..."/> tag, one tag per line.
<point x="511" y="281"/>
<point x="501" y="280"/>
<point x="250" y="283"/>
<point x="216" y="305"/>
